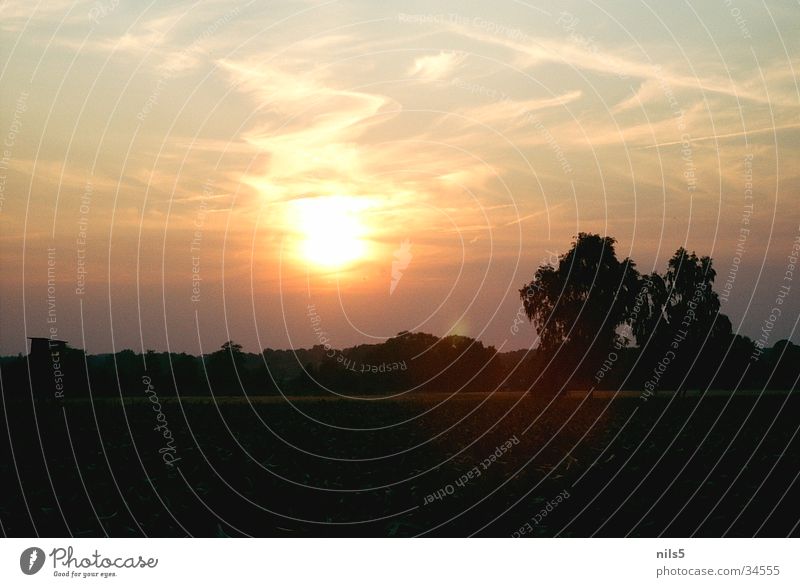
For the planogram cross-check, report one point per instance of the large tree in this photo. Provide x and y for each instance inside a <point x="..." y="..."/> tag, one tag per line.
<point x="682" y="302"/>
<point x="678" y="319"/>
<point x="582" y="301"/>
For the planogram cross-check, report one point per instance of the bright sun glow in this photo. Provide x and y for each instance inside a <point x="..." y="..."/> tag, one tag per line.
<point x="330" y="231"/>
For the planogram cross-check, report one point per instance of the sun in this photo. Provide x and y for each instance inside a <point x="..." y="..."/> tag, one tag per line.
<point x="329" y="230"/>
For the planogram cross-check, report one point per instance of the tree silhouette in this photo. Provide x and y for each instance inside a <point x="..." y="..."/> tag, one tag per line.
<point x="678" y="319"/>
<point x="234" y="348"/>
<point x="649" y="307"/>
<point x="692" y="302"/>
<point x="578" y="305"/>
<point x="226" y="369"/>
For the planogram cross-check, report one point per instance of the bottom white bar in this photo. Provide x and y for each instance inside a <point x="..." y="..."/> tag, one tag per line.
<point x="398" y="562"/>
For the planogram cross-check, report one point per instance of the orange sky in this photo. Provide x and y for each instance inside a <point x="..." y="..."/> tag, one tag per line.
<point x="206" y="171"/>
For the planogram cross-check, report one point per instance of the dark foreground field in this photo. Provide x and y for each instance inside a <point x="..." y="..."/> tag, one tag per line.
<point x="575" y="466"/>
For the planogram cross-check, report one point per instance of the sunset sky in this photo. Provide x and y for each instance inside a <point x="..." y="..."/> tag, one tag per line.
<point x="196" y="172"/>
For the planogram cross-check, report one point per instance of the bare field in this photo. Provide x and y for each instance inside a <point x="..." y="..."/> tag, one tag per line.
<point x="345" y="467"/>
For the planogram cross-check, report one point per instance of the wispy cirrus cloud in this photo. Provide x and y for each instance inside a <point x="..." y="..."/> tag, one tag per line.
<point x="308" y="129"/>
<point x="512" y="113"/>
<point x="542" y="49"/>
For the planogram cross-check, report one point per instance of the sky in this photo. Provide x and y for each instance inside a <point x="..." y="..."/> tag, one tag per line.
<point x="178" y="174"/>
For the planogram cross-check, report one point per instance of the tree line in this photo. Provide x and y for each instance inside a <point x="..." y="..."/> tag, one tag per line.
<point x="600" y="324"/>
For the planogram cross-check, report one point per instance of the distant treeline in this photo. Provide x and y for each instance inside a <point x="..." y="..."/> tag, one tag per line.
<point x="407" y="362"/>
<point x="600" y="324"/>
